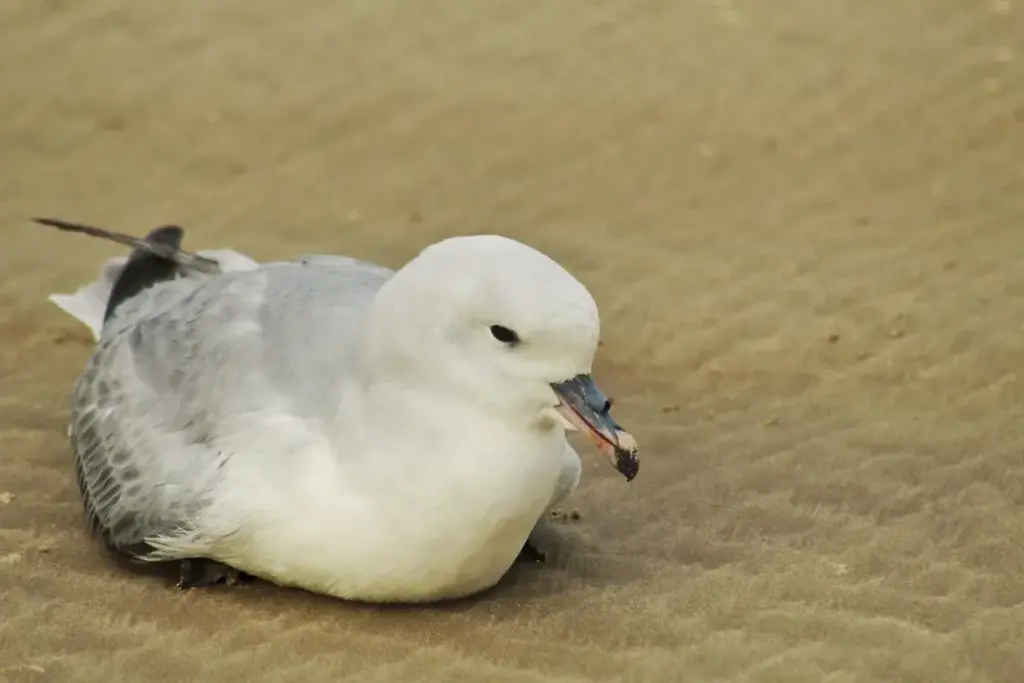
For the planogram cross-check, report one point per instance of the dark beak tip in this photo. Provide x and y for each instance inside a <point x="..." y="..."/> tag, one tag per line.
<point x="627" y="464"/>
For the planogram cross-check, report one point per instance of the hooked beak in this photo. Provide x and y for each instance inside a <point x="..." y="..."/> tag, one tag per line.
<point x="586" y="408"/>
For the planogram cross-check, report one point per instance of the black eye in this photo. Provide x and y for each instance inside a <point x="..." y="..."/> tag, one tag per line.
<point x="504" y="335"/>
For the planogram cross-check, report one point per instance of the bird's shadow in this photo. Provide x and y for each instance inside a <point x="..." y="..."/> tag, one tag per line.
<point x="571" y="561"/>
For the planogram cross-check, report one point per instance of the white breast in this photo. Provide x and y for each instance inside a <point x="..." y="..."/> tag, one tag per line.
<point x="441" y="524"/>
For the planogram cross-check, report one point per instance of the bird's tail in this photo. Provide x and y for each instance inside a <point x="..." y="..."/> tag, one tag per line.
<point x="89" y="303"/>
<point x="157" y="257"/>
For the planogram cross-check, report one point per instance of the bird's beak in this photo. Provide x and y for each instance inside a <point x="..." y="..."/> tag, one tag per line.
<point x="586" y="408"/>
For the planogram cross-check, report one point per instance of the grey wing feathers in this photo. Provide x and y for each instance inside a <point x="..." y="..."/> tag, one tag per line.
<point x="147" y="410"/>
<point x="187" y="342"/>
<point x="362" y="268"/>
<point x="184" y="362"/>
<point x="125" y="501"/>
<point x="142" y="470"/>
<point x="119" y="487"/>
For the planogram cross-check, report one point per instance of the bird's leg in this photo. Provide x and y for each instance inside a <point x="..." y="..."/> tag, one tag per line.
<point x="201" y="572"/>
<point x="529" y="553"/>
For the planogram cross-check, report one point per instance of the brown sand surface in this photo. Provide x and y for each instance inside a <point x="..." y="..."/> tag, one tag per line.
<point x="803" y="222"/>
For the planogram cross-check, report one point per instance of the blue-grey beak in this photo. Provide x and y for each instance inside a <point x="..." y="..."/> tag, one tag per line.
<point x="586" y="407"/>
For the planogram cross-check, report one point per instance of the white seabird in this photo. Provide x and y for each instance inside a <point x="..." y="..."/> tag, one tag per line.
<point x="331" y="424"/>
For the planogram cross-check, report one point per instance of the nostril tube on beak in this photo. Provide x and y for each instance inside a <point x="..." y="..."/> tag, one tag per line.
<point x="589" y="410"/>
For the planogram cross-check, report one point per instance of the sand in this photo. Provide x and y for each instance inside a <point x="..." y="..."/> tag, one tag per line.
<point x="805" y="231"/>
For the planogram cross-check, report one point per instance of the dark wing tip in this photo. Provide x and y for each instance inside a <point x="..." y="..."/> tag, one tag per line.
<point x="163" y="242"/>
<point x="170" y="235"/>
<point x="54" y="223"/>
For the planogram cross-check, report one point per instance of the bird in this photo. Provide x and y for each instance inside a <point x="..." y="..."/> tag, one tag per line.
<point x="331" y="424"/>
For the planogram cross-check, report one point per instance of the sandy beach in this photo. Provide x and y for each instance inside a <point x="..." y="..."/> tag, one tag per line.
<point x="805" y="231"/>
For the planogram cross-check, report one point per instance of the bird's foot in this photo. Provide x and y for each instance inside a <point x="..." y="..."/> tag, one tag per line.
<point x="529" y="553"/>
<point x="202" y="573"/>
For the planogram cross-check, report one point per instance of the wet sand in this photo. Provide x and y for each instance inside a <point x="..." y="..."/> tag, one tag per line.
<point x="806" y="235"/>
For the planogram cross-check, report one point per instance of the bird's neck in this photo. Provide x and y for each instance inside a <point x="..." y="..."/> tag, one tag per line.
<point x="437" y="435"/>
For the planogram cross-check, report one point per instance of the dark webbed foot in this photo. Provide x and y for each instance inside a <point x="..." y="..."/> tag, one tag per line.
<point x="201" y="573"/>
<point x="529" y="553"/>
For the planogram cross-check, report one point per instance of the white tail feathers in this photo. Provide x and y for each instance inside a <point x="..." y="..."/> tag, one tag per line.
<point x="89" y="303"/>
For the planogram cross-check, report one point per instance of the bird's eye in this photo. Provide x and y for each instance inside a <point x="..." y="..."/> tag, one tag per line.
<point x="504" y="335"/>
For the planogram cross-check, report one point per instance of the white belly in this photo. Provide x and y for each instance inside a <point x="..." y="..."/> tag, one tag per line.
<point x="428" y="535"/>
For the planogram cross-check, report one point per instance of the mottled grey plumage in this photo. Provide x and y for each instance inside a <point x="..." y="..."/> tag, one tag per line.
<point x="146" y="392"/>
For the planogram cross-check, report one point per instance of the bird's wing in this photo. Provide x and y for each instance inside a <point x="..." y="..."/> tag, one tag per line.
<point x="189" y="371"/>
